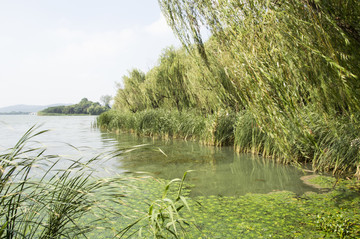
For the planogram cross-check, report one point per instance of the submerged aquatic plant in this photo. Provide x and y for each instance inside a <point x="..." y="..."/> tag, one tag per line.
<point x="163" y="218"/>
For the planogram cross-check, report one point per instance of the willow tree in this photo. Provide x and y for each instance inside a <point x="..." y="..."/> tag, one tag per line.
<point x="170" y="80"/>
<point x="294" y="65"/>
<point x="177" y="82"/>
<point x="130" y="95"/>
<point x="183" y="82"/>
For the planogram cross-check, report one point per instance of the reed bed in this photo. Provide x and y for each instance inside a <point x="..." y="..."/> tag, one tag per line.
<point x="327" y="145"/>
<point x="212" y="129"/>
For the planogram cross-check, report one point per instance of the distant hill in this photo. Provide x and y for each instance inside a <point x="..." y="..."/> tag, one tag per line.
<point x="26" y="108"/>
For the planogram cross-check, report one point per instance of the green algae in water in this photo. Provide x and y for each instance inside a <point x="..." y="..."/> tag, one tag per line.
<point x="323" y="181"/>
<point x="277" y="215"/>
<point x="274" y="215"/>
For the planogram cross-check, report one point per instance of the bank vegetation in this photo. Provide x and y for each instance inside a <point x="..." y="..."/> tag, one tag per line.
<point x="278" y="78"/>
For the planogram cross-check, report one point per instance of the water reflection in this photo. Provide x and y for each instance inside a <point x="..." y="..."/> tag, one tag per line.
<point x="218" y="171"/>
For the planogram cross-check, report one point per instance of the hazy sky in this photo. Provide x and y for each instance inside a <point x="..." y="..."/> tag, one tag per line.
<point x="59" y="51"/>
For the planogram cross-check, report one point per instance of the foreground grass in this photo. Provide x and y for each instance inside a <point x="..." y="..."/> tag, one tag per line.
<point x="39" y="198"/>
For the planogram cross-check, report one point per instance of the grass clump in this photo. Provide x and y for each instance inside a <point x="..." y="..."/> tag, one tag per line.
<point x="164" y="217"/>
<point x="39" y="199"/>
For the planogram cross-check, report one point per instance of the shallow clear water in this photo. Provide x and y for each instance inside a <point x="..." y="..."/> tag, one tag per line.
<point x="217" y="171"/>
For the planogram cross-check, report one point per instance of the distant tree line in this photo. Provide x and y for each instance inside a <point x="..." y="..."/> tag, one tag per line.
<point x="85" y="106"/>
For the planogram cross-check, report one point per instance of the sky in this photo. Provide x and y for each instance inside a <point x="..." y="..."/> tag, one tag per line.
<point x="62" y="51"/>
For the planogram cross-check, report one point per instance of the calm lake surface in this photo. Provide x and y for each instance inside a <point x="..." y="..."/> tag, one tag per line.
<point x="218" y="171"/>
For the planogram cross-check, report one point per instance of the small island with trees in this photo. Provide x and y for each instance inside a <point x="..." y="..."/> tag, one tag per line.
<point x="84" y="107"/>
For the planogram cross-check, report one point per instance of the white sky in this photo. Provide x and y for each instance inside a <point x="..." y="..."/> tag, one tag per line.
<point x="60" y="51"/>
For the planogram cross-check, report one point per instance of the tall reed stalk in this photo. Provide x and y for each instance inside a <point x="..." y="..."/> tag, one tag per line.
<point x="38" y="201"/>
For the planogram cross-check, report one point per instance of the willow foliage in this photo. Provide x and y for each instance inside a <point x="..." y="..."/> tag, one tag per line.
<point x="179" y="82"/>
<point x="286" y="53"/>
<point x="286" y="61"/>
<point x="292" y="67"/>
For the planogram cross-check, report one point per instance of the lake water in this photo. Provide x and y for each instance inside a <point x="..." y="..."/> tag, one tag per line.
<point x="217" y="171"/>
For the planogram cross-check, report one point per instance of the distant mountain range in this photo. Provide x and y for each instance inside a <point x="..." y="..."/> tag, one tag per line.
<point x="26" y="108"/>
